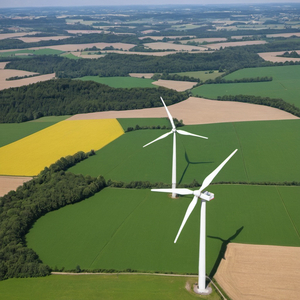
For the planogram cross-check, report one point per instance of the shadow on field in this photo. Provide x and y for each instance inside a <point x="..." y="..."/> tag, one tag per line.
<point x="223" y="250"/>
<point x="191" y="163"/>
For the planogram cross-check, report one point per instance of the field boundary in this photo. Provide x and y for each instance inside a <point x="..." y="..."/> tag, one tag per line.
<point x="123" y="273"/>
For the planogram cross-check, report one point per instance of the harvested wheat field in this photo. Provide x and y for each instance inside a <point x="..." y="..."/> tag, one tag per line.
<point x="84" y="31"/>
<point x="199" y="111"/>
<point x="260" y="272"/>
<point x="8" y="183"/>
<point x="75" y="47"/>
<point x="15" y="34"/>
<point x="178" y="86"/>
<point x="7" y="73"/>
<point x="141" y="75"/>
<point x="30" y="155"/>
<point x="234" y="44"/>
<point x="177" y="47"/>
<point x="272" y="56"/>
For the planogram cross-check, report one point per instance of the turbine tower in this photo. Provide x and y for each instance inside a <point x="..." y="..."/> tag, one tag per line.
<point x="174" y="130"/>
<point x="204" y="196"/>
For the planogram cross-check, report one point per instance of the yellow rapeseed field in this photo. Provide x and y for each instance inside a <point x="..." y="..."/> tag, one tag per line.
<point x="30" y="155"/>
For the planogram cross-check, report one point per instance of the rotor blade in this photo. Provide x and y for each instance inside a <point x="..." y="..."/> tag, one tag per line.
<point x="175" y="191"/>
<point x="187" y="214"/>
<point x="212" y="175"/>
<point x="188" y="133"/>
<point x="169" y="115"/>
<point x="159" y="138"/>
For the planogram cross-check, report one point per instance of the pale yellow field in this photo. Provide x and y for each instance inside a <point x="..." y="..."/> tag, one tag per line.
<point x="29" y="156"/>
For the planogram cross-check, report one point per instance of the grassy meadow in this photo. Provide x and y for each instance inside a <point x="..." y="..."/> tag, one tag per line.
<point x="121" y="82"/>
<point x="285" y="84"/>
<point x="109" y="287"/>
<point x="123" y="228"/>
<point x="28" y="156"/>
<point x="268" y="151"/>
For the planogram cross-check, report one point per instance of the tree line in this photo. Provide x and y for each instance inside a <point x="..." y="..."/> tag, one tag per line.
<point x="68" y="97"/>
<point x="241" y="80"/>
<point x="52" y="189"/>
<point x="167" y="76"/>
<point x="229" y="59"/>
<point x="177" y="123"/>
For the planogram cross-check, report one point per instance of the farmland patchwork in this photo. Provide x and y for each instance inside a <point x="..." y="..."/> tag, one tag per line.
<point x="28" y="156"/>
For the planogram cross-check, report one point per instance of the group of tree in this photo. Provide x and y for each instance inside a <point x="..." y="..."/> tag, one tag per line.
<point x="292" y="54"/>
<point x="81" y="39"/>
<point x="113" y="64"/>
<point x="52" y="189"/>
<point x="177" y="123"/>
<point x="167" y="76"/>
<point x="68" y="97"/>
<point x="240" y="80"/>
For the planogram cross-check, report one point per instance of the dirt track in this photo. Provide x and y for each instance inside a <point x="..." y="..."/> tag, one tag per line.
<point x="260" y="272"/>
<point x="199" y="111"/>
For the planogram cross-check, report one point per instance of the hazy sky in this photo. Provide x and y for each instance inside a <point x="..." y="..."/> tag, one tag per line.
<point x="39" y="3"/>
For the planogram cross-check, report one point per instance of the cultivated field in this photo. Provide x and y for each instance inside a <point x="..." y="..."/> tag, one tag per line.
<point x="8" y="183"/>
<point x="24" y="158"/>
<point x="260" y="272"/>
<point x="114" y="229"/>
<point x="43" y="38"/>
<point x="121" y="82"/>
<point x="272" y="56"/>
<point x="179" y="86"/>
<point x="217" y="46"/>
<point x="7" y="73"/>
<point x="285" y="84"/>
<point x="11" y="132"/>
<point x="15" y="34"/>
<point x="140" y="75"/>
<point x="76" y="47"/>
<point x="191" y="111"/>
<point x="262" y="158"/>
<point x="177" y="47"/>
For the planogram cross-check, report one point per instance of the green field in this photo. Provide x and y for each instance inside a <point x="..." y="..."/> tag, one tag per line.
<point x="70" y="56"/>
<point x="108" y="287"/>
<point x="121" y="82"/>
<point x="29" y="53"/>
<point x="268" y="151"/>
<point x="285" y="84"/>
<point x="14" y="131"/>
<point x="123" y="228"/>
<point x="202" y="75"/>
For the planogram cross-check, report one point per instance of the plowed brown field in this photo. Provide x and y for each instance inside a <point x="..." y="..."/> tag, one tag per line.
<point x="260" y="272"/>
<point x="199" y="111"/>
<point x="8" y="183"/>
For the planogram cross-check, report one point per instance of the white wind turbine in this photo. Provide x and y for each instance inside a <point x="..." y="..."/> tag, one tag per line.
<point x="205" y="196"/>
<point x="174" y="130"/>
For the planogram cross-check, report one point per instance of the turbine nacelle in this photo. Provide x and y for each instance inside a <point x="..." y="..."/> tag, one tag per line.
<point x="207" y="196"/>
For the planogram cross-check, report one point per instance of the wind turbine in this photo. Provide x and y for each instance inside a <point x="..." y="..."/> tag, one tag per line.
<point x="205" y="196"/>
<point x="174" y="130"/>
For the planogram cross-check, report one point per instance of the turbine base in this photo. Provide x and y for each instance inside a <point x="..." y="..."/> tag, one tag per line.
<point x="206" y="291"/>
